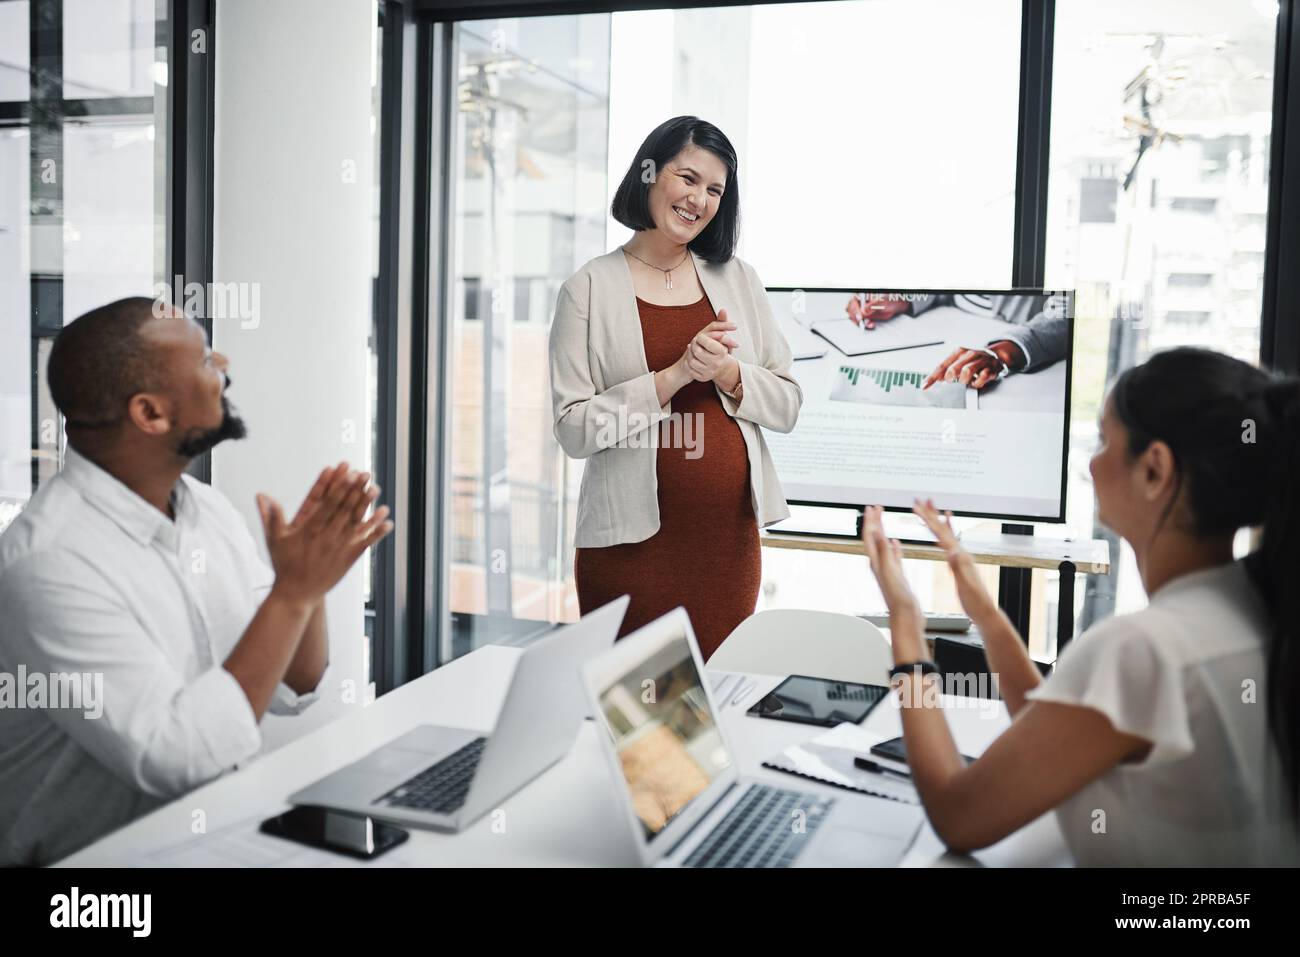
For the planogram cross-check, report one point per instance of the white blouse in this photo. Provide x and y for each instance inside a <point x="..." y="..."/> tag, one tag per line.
<point x="1189" y="674"/>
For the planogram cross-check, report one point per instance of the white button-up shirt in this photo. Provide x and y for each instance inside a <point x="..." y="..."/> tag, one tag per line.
<point x="99" y="589"/>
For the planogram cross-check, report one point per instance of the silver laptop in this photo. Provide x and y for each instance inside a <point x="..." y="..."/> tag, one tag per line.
<point x="446" y="778"/>
<point x="676" y="777"/>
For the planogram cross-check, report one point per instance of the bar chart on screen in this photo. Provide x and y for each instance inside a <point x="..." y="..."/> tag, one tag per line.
<point x="898" y="387"/>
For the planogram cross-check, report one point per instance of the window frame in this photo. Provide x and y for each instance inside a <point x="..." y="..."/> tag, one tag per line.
<point x="189" y="108"/>
<point x="424" y="606"/>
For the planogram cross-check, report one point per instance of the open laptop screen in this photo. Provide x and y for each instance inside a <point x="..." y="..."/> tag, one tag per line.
<point x="657" y="713"/>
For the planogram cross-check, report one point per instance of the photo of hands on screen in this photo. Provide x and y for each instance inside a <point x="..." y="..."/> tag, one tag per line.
<point x="955" y="395"/>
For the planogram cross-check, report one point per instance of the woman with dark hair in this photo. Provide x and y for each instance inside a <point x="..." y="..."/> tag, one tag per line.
<point x="665" y="361"/>
<point x="1167" y="736"/>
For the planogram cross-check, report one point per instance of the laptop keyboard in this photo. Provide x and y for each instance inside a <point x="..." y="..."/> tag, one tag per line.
<point x="442" y="787"/>
<point x="762" y="830"/>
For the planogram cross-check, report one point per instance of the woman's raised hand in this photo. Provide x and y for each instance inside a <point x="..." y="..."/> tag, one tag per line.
<point x="886" y="558"/>
<point x="975" y="599"/>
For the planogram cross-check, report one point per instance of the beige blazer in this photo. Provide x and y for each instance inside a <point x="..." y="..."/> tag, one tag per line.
<point x="606" y="409"/>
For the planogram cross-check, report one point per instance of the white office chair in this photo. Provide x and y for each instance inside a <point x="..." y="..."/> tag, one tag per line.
<point x="796" y="641"/>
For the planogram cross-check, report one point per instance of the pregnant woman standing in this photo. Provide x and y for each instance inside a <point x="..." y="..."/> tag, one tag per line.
<point x="665" y="361"/>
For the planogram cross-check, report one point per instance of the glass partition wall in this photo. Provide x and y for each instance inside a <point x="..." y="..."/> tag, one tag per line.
<point x="83" y="160"/>
<point x="1158" y="200"/>
<point x="874" y="150"/>
<point x="532" y="116"/>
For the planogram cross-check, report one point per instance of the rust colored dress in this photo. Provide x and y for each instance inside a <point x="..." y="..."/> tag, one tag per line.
<point x="705" y="555"/>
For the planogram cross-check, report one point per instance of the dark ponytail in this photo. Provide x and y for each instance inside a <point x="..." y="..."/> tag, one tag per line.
<point x="1275" y="569"/>
<point x="1234" y="432"/>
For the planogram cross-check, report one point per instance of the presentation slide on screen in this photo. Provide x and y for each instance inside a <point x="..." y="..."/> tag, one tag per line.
<point x="883" y="422"/>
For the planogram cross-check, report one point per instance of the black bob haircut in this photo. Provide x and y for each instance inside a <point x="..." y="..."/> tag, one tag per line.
<point x="717" y="241"/>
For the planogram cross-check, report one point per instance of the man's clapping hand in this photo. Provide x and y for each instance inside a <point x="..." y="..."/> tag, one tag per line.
<point x="328" y="534"/>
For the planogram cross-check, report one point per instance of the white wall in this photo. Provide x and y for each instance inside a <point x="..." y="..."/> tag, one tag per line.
<point x="293" y="174"/>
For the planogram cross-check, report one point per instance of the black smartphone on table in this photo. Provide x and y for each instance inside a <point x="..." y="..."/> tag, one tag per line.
<point x="352" y="834"/>
<point x="895" y="750"/>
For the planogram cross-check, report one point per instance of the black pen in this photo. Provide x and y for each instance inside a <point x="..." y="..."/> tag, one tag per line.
<point x="866" y="764"/>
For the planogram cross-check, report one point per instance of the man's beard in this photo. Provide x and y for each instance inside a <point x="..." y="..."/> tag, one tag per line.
<point x="197" y="441"/>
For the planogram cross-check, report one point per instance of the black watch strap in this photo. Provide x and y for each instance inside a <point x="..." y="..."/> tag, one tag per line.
<point x="925" y="667"/>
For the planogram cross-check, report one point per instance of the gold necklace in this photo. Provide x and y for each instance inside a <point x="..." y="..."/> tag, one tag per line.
<point x="668" y="273"/>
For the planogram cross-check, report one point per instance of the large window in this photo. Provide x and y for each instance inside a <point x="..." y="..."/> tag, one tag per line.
<point x="532" y="108"/>
<point x="82" y="196"/>
<point x="874" y="149"/>
<point x="1158" y="196"/>
<point x="847" y="127"/>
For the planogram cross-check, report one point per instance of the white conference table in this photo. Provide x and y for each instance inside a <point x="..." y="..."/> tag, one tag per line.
<point x="566" y="817"/>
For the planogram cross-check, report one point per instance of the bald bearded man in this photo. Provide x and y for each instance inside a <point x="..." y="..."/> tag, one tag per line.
<point x="141" y="585"/>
